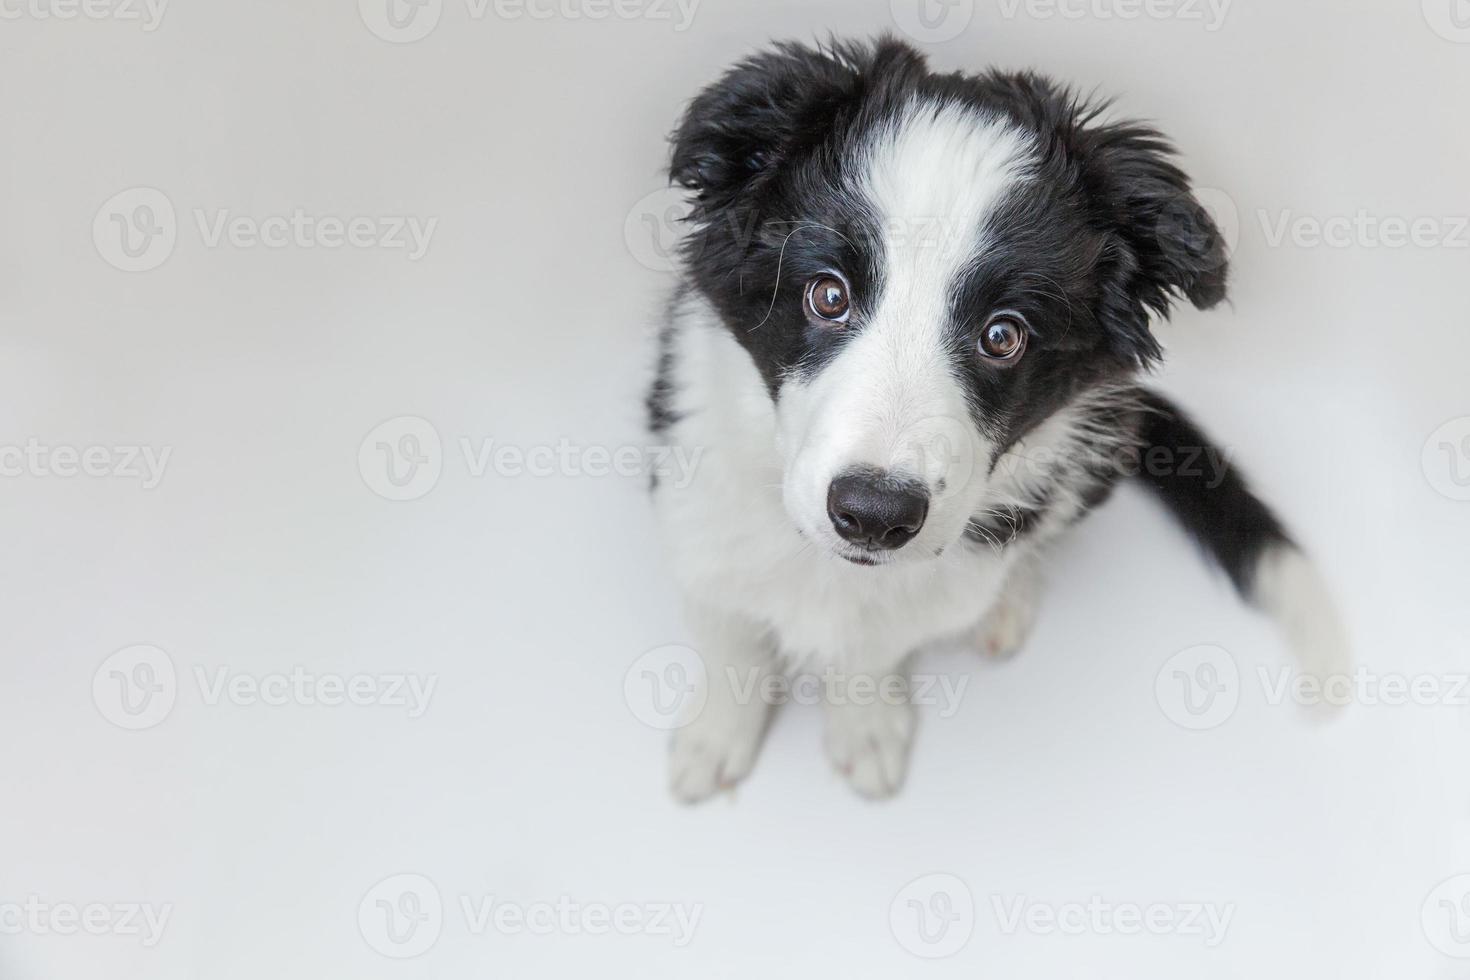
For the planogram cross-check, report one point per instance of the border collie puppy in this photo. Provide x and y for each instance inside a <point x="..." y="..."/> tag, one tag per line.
<point x="913" y="312"/>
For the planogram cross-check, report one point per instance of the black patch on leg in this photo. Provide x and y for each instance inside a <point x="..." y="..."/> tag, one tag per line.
<point x="1217" y="509"/>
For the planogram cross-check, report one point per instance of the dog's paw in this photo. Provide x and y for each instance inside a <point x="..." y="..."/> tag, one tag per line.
<point x="716" y="750"/>
<point x="869" y="744"/>
<point x="1006" y="626"/>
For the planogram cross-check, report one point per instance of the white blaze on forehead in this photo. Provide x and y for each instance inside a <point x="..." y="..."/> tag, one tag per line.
<point x="932" y="179"/>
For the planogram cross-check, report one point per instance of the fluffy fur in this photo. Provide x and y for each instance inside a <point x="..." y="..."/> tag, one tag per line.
<point x="942" y="201"/>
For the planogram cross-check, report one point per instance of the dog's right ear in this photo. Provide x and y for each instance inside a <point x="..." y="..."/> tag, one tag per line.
<point x="745" y="125"/>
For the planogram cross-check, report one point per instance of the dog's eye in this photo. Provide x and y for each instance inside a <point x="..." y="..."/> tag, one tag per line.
<point x="826" y="299"/>
<point x="1004" y="338"/>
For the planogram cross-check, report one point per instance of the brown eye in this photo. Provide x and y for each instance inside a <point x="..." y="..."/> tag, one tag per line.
<point x="826" y="299"/>
<point x="1004" y="338"/>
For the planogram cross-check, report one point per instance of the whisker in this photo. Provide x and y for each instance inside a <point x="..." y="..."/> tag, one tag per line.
<point x="781" y="259"/>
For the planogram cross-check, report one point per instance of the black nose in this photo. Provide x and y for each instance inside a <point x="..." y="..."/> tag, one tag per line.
<point x="875" y="510"/>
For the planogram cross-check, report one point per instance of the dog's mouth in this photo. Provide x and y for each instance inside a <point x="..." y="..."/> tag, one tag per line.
<point x="864" y="558"/>
<point x="856" y="556"/>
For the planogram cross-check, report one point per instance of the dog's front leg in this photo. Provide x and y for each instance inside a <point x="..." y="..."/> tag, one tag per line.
<point x="869" y="723"/>
<point x="716" y="745"/>
<point x="1008" y="621"/>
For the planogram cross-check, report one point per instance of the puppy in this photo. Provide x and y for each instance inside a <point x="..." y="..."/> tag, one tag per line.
<point x="913" y="313"/>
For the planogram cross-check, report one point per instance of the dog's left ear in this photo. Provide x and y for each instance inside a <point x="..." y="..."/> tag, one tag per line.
<point x="1158" y="241"/>
<point x="1162" y="243"/>
<point x="742" y="126"/>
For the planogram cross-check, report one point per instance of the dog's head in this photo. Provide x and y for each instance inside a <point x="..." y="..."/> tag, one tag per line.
<point x="925" y="268"/>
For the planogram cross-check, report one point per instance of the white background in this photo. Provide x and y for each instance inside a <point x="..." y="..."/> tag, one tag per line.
<point x="529" y="778"/>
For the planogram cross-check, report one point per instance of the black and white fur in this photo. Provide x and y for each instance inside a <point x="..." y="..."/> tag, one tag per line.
<point x="941" y="199"/>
